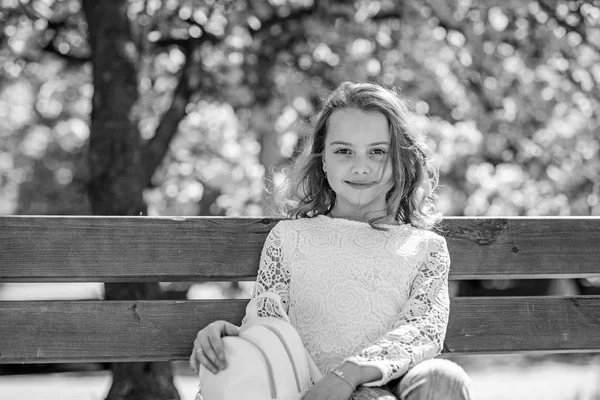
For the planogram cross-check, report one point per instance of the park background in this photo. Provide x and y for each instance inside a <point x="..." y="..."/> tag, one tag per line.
<point x="195" y="107"/>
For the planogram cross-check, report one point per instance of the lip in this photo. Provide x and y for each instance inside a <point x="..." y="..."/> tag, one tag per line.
<point x="360" y="185"/>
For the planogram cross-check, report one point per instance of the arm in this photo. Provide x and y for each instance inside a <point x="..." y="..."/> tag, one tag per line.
<point x="419" y="331"/>
<point x="271" y="295"/>
<point x="270" y="298"/>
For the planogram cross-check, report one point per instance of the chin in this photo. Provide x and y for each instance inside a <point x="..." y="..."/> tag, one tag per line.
<point x="360" y="203"/>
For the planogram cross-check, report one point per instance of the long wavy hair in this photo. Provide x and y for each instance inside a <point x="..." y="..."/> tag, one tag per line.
<point x="306" y="192"/>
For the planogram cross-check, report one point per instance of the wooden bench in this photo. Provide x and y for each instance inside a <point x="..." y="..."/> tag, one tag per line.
<point x="145" y="249"/>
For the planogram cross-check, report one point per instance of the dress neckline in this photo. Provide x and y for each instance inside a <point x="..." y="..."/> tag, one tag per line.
<point x="352" y="221"/>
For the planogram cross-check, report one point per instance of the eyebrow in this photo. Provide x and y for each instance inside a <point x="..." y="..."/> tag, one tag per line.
<point x="339" y="142"/>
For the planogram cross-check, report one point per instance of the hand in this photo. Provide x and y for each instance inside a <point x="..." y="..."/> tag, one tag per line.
<point x="330" y="387"/>
<point x="208" y="346"/>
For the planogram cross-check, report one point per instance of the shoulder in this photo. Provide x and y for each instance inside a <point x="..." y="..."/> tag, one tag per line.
<point x="297" y="224"/>
<point x="436" y="239"/>
<point x="438" y="250"/>
<point x="285" y="227"/>
<point x="433" y="240"/>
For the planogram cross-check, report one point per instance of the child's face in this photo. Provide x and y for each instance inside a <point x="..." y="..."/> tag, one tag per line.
<point x="357" y="160"/>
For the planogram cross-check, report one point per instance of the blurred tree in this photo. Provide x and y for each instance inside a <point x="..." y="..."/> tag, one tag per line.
<point x="508" y="94"/>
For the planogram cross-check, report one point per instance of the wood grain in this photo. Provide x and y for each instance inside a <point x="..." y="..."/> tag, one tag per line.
<point x="140" y="249"/>
<point x="78" y="331"/>
<point x="60" y="331"/>
<point x="523" y="324"/>
<point x="121" y="249"/>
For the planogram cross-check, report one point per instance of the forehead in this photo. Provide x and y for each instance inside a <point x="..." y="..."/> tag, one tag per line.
<point x="357" y="126"/>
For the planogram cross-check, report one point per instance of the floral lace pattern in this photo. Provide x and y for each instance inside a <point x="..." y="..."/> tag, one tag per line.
<point x="273" y="277"/>
<point x="376" y="298"/>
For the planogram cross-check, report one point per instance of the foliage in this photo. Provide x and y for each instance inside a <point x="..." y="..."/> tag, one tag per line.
<point x="508" y="93"/>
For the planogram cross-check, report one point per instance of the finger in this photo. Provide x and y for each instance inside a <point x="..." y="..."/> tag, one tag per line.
<point x="204" y="360"/>
<point x="194" y="361"/>
<point x="216" y="344"/>
<point x="209" y="351"/>
<point x="230" y="329"/>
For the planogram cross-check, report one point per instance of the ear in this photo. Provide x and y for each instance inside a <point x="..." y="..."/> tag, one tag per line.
<point x="324" y="164"/>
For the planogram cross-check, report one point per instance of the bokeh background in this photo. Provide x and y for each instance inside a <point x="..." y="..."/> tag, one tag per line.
<point x="221" y="93"/>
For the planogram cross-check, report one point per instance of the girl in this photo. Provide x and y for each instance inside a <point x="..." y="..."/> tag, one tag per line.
<point x="359" y="272"/>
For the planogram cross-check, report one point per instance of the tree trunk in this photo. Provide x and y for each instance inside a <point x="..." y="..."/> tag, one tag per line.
<point x="116" y="171"/>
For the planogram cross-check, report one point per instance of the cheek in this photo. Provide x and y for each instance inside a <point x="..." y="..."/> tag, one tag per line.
<point x="334" y="171"/>
<point x="387" y="171"/>
<point x="334" y="182"/>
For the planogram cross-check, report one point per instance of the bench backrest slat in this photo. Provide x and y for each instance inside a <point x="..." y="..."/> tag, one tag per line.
<point x="59" y="331"/>
<point x="130" y="249"/>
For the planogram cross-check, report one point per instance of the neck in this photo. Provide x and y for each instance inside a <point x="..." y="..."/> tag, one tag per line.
<point x="362" y="217"/>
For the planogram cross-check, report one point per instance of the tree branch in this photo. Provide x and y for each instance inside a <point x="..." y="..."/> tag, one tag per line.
<point x="388" y="14"/>
<point x="193" y="77"/>
<point x="69" y="57"/>
<point x="579" y="29"/>
<point x="55" y="26"/>
<point x="189" y="42"/>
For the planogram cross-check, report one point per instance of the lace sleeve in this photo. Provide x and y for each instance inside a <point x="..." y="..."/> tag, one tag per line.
<point x="271" y="295"/>
<point x="419" y="331"/>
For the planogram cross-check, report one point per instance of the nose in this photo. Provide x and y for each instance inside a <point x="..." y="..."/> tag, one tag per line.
<point x="361" y="166"/>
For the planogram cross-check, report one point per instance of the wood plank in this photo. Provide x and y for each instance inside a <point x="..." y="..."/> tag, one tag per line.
<point x="501" y="248"/>
<point x="113" y="249"/>
<point x="129" y="249"/>
<point x="62" y="331"/>
<point x="81" y="331"/>
<point x="524" y="324"/>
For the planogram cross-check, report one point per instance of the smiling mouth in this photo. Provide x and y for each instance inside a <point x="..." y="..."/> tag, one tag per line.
<point x="360" y="185"/>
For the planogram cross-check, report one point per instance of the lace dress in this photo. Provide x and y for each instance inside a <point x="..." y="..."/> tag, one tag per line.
<point x="357" y="294"/>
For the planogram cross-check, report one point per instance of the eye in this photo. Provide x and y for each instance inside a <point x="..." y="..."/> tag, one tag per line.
<point x="379" y="152"/>
<point x="342" y="151"/>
